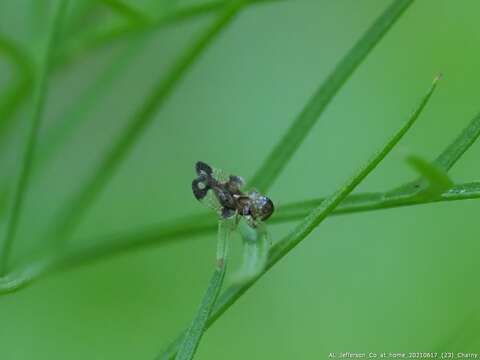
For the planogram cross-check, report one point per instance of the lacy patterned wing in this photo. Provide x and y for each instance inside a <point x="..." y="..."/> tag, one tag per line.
<point x="220" y="175"/>
<point x="234" y="184"/>
<point x="211" y="202"/>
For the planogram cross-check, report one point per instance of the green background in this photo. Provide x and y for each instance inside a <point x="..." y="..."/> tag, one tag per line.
<point x="397" y="280"/>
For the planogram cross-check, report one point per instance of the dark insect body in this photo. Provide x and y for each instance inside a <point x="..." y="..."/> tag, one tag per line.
<point x="231" y="200"/>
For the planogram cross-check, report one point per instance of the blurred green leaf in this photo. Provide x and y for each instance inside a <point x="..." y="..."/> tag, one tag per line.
<point x="75" y="208"/>
<point x="92" y="39"/>
<point x="460" y="145"/>
<point x="437" y="179"/>
<point x="194" y="334"/>
<point x="128" y="11"/>
<point x="312" y="220"/>
<point x="79" y="255"/>
<point x="78" y="113"/>
<point x="300" y="128"/>
<point x="40" y="93"/>
<point x="449" y="156"/>
<point x="20" y="89"/>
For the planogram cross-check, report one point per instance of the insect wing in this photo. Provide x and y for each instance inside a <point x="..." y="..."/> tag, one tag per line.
<point x="220" y="175"/>
<point x="210" y="201"/>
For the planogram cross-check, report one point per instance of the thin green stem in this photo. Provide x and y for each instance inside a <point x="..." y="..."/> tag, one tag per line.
<point x="10" y="102"/>
<point x="76" y="207"/>
<point x="92" y="40"/>
<point x="128" y="11"/>
<point x="449" y="156"/>
<point x="80" y="110"/>
<point x="460" y="145"/>
<point x="311" y="221"/>
<point x="26" y="167"/>
<point x="196" y="226"/>
<point x="434" y="180"/>
<point x="78" y="113"/>
<point x="300" y="128"/>
<point x="194" y="334"/>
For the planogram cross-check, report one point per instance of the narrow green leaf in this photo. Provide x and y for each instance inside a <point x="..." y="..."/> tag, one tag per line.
<point x="95" y="39"/>
<point x="462" y="337"/>
<point x="460" y="145"/>
<point x="19" y="90"/>
<point x="449" y="156"/>
<point x="194" y="334"/>
<point x="3" y="202"/>
<point x="26" y="167"/>
<point x="127" y="11"/>
<point x="255" y="251"/>
<point x="76" y="207"/>
<point x="11" y="102"/>
<point x="300" y="128"/>
<point x="78" y="113"/>
<point x="314" y="218"/>
<point x="80" y="110"/>
<point x="82" y="255"/>
<point x="437" y="179"/>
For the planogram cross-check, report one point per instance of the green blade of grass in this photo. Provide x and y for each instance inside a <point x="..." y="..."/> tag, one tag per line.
<point x="449" y="156"/>
<point x="77" y="206"/>
<point x="460" y="145"/>
<point x="357" y="203"/>
<point x="312" y="220"/>
<point x="127" y="11"/>
<point x="437" y="179"/>
<point x="10" y="102"/>
<point x="26" y="167"/>
<point x="462" y="337"/>
<point x="82" y="255"/>
<point x="300" y="128"/>
<point x="99" y="38"/>
<point x="78" y="113"/>
<point x="3" y="202"/>
<point x="195" y="226"/>
<point x="194" y="334"/>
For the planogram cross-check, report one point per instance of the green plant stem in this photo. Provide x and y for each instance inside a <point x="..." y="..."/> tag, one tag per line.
<point x="26" y="167"/>
<point x="449" y="156"/>
<point x="126" y="10"/>
<point x="75" y="208"/>
<point x="460" y="145"/>
<point x="311" y="221"/>
<point x="194" y="334"/>
<point x="10" y="102"/>
<point x="434" y="180"/>
<point x="300" y="128"/>
<point x="82" y="255"/>
<point x="92" y="40"/>
<point x="79" y="112"/>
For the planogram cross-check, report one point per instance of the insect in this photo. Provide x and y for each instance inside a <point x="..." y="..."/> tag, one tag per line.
<point x="223" y="193"/>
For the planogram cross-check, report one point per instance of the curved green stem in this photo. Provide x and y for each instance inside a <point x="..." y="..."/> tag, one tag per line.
<point x="92" y="40"/>
<point x="312" y="220"/>
<point x="283" y="151"/>
<point x="194" y="334"/>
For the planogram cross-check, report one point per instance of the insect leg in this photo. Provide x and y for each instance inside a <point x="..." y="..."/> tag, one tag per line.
<point x="228" y="213"/>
